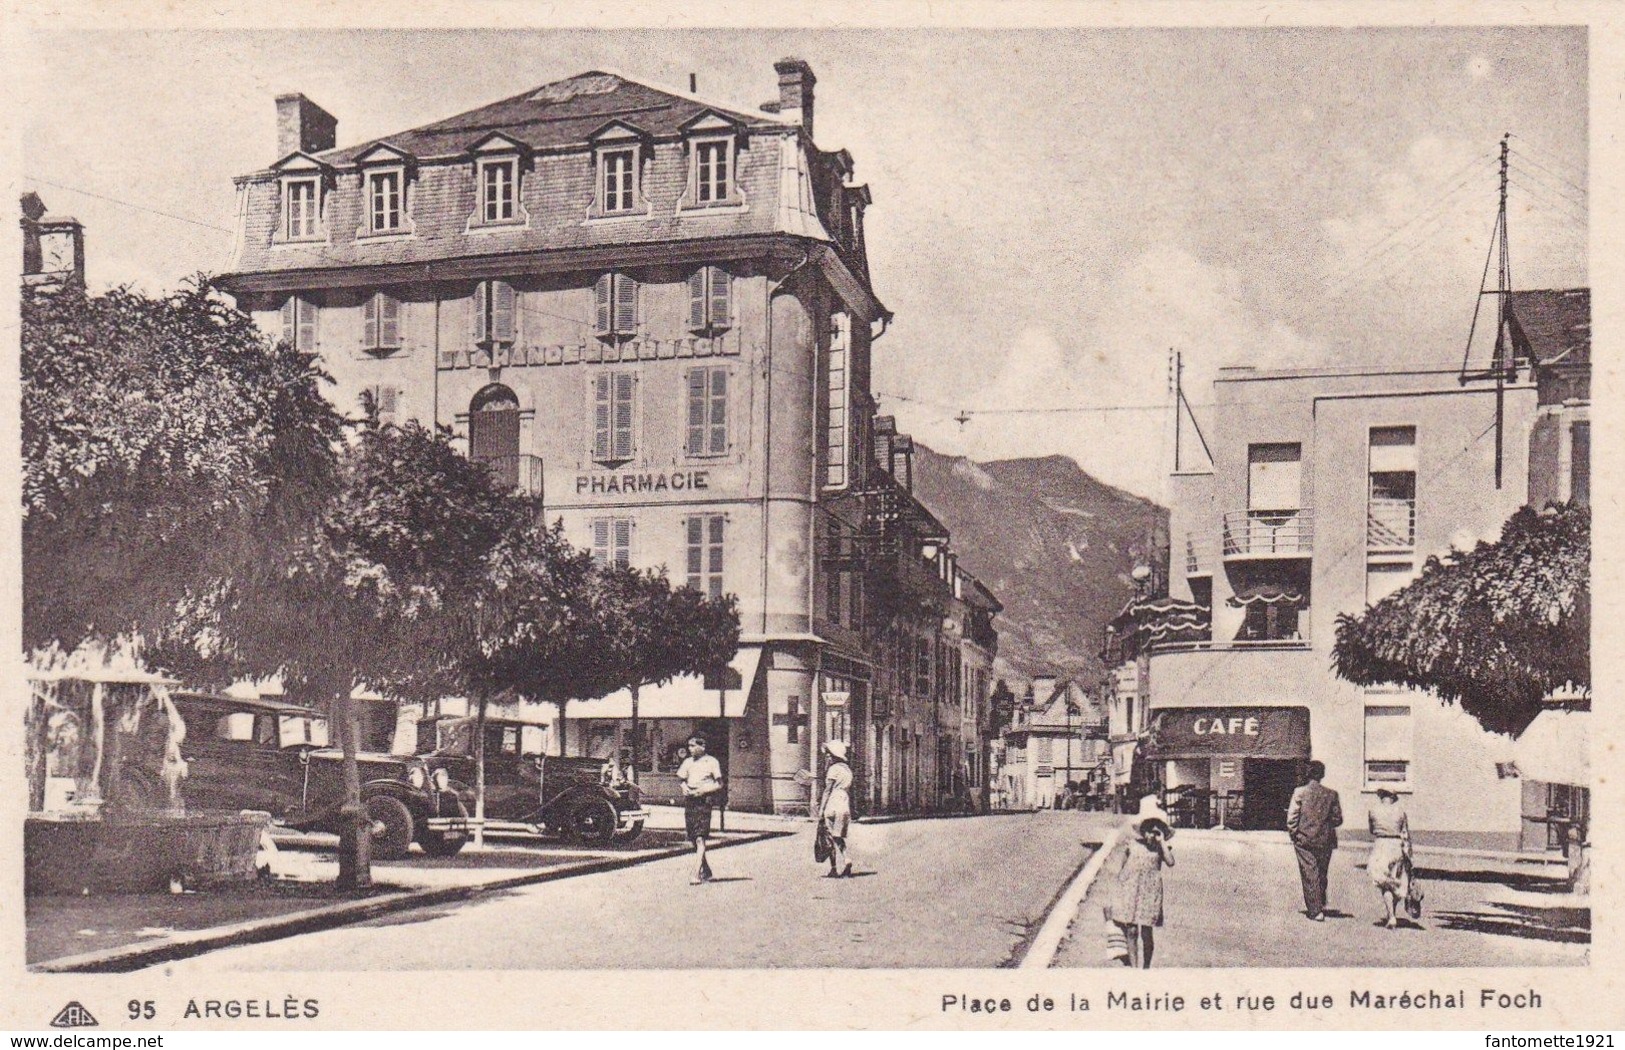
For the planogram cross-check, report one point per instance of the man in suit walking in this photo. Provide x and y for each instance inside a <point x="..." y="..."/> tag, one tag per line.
<point x="1312" y="821"/>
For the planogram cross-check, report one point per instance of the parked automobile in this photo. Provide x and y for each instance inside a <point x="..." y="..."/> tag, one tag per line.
<point x="274" y="757"/>
<point x="587" y="800"/>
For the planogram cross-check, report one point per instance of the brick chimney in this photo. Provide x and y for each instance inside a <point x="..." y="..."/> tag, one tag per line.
<point x="303" y="126"/>
<point x="796" y="82"/>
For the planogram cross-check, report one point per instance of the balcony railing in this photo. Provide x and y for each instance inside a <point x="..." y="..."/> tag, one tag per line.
<point x="521" y="473"/>
<point x="1269" y="533"/>
<point x="1390" y="525"/>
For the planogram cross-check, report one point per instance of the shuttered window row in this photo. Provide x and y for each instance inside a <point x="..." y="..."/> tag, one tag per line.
<point x="614" y="416"/>
<point x="612" y="542"/>
<point x="705" y="553"/>
<point x="710" y="300"/>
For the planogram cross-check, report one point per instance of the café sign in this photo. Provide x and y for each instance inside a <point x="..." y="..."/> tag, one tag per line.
<point x="1245" y="732"/>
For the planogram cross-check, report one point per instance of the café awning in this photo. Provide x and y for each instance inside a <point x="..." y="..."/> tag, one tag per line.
<point x="1555" y="749"/>
<point x="684" y="697"/>
<point x="1231" y="732"/>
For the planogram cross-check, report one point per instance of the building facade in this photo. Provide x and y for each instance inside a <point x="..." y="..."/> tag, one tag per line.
<point x="1327" y="490"/>
<point x="1056" y="748"/>
<point x="654" y="312"/>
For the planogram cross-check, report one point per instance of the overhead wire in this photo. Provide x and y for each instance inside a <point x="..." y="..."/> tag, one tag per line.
<point x="1532" y="160"/>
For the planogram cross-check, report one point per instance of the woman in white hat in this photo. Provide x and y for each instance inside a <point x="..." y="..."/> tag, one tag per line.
<point x="835" y="808"/>
<point x="1134" y="904"/>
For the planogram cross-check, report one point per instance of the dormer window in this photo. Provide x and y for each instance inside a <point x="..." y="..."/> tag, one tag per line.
<point x="384" y="180"/>
<point x="617" y="181"/>
<point x="499" y="171"/>
<point x="384" y="201"/>
<point x="302" y="179"/>
<point x="712" y="143"/>
<point x="712" y="170"/>
<point x="499" y="186"/>
<point x="301" y="208"/>
<point x="619" y="150"/>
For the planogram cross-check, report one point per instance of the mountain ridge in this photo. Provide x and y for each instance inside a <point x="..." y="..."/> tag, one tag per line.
<point x="1055" y="544"/>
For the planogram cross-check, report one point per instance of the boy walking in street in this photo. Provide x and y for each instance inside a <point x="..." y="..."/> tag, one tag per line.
<point x="1312" y="821"/>
<point x="701" y="775"/>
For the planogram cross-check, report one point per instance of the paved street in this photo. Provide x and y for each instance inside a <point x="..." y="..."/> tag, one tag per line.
<point x="1235" y="901"/>
<point x="930" y="893"/>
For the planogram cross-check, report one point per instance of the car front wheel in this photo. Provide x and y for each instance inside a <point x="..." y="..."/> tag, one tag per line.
<point x="593" y="821"/>
<point x="445" y="843"/>
<point x="633" y="830"/>
<point x="392" y="827"/>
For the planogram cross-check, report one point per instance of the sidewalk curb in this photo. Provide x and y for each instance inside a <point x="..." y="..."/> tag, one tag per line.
<point x="126" y="958"/>
<point x="1046" y="943"/>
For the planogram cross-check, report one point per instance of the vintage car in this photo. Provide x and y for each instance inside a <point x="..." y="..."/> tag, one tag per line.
<point x="584" y="799"/>
<point x="274" y="757"/>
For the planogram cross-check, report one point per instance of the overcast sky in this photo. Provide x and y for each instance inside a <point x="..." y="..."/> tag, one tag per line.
<point x="1054" y="209"/>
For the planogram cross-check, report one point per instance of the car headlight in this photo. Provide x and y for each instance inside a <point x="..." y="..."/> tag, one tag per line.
<point x="441" y="780"/>
<point x="415" y="776"/>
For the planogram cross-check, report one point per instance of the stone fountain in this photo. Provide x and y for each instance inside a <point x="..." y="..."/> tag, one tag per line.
<point x="105" y="809"/>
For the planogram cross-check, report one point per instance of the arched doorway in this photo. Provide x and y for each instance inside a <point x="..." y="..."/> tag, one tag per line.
<point x="493" y="432"/>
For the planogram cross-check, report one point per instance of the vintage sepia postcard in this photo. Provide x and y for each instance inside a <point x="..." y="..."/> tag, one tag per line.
<point x="934" y="516"/>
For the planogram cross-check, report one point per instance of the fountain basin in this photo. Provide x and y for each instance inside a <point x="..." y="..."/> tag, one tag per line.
<point x="140" y="852"/>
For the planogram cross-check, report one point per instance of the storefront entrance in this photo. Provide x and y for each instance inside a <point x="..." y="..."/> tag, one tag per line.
<point x="1233" y="767"/>
<point x="1266" y="789"/>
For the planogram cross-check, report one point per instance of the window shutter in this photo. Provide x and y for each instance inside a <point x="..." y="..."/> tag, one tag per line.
<point x="696" y="411"/>
<point x="696" y="299"/>
<point x="601" y="302"/>
<point x="369" y="322"/>
<point x="602" y="427"/>
<point x="719" y="411"/>
<point x="624" y="388"/>
<point x="623" y="541"/>
<point x="502" y="308"/>
<point x="600" y="539"/>
<point x="721" y="296"/>
<point x="307" y="324"/>
<point x="288" y="333"/>
<point x="389" y="320"/>
<point x="626" y="305"/>
<point x="482" y="296"/>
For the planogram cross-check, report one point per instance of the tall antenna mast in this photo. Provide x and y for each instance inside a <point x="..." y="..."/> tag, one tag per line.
<point x="1504" y="365"/>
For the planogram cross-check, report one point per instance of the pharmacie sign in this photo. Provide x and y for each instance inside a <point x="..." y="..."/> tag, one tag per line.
<point x="643" y="482"/>
<point x="1247" y="732"/>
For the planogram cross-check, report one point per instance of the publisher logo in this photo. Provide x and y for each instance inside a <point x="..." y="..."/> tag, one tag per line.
<point x="73" y="1016"/>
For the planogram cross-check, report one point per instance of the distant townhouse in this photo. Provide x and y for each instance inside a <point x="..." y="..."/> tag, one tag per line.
<point x="654" y="312"/>
<point x="1327" y="491"/>
<point x="1057" y="741"/>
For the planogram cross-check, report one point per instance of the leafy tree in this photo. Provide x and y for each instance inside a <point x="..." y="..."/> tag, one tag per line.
<point x="166" y="444"/>
<point x="379" y="597"/>
<point x="1497" y="628"/>
<point x="660" y="632"/>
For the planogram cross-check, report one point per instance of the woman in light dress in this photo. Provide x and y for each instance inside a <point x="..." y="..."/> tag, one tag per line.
<point x="1389" y="865"/>
<point x="835" y="808"/>
<point x="1134" y="884"/>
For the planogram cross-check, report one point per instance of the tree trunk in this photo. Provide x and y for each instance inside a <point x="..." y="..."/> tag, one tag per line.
<point x="480" y="703"/>
<point x="564" y="727"/>
<point x="355" y="830"/>
<point x="633" y="764"/>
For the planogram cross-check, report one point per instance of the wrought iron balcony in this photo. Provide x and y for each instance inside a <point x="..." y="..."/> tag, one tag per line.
<point x="1269" y="534"/>
<point x="1390" y="525"/>
<point x="520" y="472"/>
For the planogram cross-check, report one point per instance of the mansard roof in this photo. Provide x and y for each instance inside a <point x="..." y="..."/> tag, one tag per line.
<point x="561" y="114"/>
